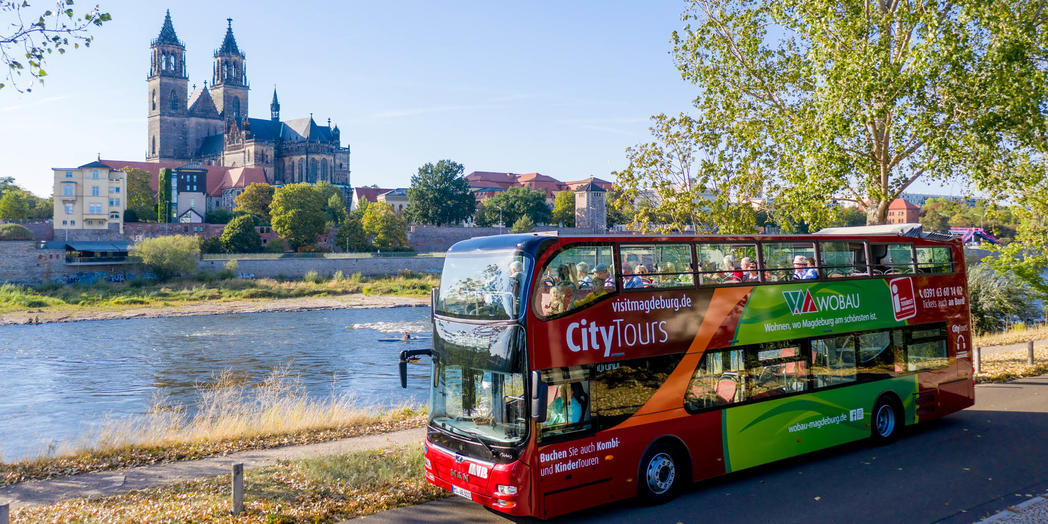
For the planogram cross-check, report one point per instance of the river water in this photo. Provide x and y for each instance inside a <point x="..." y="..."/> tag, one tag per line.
<point x="58" y="381"/>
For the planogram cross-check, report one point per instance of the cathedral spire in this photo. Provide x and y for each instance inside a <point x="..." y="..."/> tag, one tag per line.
<point x="274" y="107"/>
<point x="167" y="33"/>
<point x="229" y="43"/>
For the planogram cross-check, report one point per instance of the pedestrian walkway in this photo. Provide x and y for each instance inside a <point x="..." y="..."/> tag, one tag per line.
<point x="37" y="492"/>
<point x="1032" y="511"/>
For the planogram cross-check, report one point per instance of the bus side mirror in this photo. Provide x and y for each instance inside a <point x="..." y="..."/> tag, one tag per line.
<point x="538" y="397"/>
<point x="410" y="355"/>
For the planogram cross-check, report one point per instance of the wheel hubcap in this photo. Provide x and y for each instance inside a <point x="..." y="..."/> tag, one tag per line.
<point x="885" y="421"/>
<point x="661" y="472"/>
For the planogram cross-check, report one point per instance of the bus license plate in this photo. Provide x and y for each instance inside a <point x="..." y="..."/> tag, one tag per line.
<point x="462" y="492"/>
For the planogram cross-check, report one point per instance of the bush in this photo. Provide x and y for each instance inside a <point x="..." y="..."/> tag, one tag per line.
<point x="15" y="232"/>
<point x="169" y="256"/>
<point x="212" y="245"/>
<point x="240" y="236"/>
<point x="277" y="245"/>
<point x="312" y="276"/>
<point x="997" y="299"/>
<point x="218" y="216"/>
<point x="523" y="224"/>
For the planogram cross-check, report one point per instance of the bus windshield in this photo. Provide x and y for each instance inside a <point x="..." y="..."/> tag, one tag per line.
<point x="478" y="382"/>
<point x="482" y="284"/>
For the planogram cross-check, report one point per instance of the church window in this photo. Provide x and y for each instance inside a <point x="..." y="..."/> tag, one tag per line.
<point x="174" y="100"/>
<point x="301" y="170"/>
<point x="154" y="100"/>
<point x="236" y="108"/>
<point x="154" y="146"/>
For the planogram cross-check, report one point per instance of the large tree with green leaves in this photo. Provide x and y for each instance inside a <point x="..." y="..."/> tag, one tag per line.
<point x="28" y="36"/>
<point x="513" y="203"/>
<point x="240" y="236"/>
<point x="14" y="205"/>
<point x="816" y="100"/>
<point x="297" y="214"/>
<point x="564" y="208"/>
<point x="387" y="229"/>
<point x="440" y="195"/>
<point x="141" y="199"/>
<point x="255" y="199"/>
<point x="170" y="255"/>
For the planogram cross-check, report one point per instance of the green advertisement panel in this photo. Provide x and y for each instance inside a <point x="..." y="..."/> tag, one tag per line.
<point x="767" y="431"/>
<point x="815" y="309"/>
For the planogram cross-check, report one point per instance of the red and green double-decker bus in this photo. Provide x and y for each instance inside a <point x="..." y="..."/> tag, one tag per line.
<point x="572" y="371"/>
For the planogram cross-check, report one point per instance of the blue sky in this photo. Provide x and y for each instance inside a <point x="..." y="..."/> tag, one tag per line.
<point x="561" y="88"/>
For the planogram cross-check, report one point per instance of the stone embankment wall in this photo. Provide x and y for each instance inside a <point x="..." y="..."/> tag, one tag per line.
<point x="428" y="239"/>
<point x="298" y="267"/>
<point x="21" y="262"/>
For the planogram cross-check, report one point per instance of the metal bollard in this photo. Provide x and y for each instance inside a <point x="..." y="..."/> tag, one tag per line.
<point x="977" y="361"/>
<point x="1029" y="352"/>
<point x="238" y="489"/>
<point x="5" y="513"/>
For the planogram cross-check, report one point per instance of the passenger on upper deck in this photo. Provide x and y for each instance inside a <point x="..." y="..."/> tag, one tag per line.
<point x="731" y="273"/>
<point x="749" y="269"/>
<point x="801" y="271"/>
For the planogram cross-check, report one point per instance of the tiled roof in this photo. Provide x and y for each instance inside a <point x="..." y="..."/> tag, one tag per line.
<point x="604" y="184"/>
<point x="308" y="130"/>
<point x="202" y="105"/>
<point x="218" y="177"/>
<point x="368" y="193"/>
<point x="96" y="163"/>
<point x="211" y="145"/>
<point x="899" y="203"/>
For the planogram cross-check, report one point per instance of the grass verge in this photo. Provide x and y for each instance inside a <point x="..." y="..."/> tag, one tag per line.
<point x="230" y="416"/>
<point x="325" y="489"/>
<point x="1013" y="336"/>
<point x="138" y="293"/>
<point x="1004" y="366"/>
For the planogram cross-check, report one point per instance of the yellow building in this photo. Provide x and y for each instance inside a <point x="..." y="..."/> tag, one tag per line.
<point x="92" y="196"/>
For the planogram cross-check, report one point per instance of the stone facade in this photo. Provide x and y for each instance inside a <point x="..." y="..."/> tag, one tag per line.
<point x="22" y="263"/>
<point x="591" y="213"/>
<point x="298" y="267"/>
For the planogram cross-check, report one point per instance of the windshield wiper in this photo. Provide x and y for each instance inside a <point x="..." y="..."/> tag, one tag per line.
<point x="475" y="434"/>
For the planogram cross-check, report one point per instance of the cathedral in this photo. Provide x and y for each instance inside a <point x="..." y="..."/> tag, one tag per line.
<point x="211" y="125"/>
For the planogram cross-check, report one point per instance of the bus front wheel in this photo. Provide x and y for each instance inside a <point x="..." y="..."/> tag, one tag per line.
<point x="886" y="420"/>
<point x="659" y="474"/>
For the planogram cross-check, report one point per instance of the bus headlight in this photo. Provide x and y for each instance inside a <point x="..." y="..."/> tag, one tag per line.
<point x="428" y="465"/>
<point x="507" y="490"/>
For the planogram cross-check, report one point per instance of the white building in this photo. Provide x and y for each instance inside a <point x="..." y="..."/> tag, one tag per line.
<point x="92" y="196"/>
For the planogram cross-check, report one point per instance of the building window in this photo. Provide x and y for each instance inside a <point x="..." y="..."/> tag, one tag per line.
<point x="72" y="222"/>
<point x="95" y="191"/>
<point x="69" y="209"/>
<point x="154" y="146"/>
<point x="69" y="174"/>
<point x="174" y="100"/>
<point x="154" y="100"/>
<point x="64" y="222"/>
<point x="94" y="174"/>
<point x="67" y="189"/>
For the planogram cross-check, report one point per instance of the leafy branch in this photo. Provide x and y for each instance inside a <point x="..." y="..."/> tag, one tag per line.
<point x="26" y="40"/>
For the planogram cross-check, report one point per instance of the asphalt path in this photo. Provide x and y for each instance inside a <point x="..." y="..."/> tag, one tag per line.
<point x="962" y="468"/>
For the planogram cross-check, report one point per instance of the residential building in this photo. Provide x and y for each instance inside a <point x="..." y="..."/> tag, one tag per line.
<point x="366" y="194"/>
<point x="218" y="188"/>
<point x="398" y="198"/>
<point x="92" y="196"/>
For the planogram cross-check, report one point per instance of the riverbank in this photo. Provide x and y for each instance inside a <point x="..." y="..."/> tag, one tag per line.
<point x="103" y="301"/>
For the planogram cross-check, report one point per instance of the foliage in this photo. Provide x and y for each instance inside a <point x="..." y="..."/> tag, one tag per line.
<point x="14" y="205"/>
<point x="849" y="217"/>
<point x="620" y="208"/>
<point x="563" y="209"/>
<point x="297" y="214"/>
<point x="334" y="203"/>
<point x="15" y="232"/>
<point x="29" y="38"/>
<point x="240" y="236"/>
<point x="386" y="228"/>
<point x="523" y="224"/>
<point x="276" y="245"/>
<point x="212" y="245"/>
<point x="256" y="200"/>
<point x="351" y="236"/>
<point x="514" y="203"/>
<point x="169" y="256"/>
<point x="814" y="100"/>
<point x="218" y="216"/>
<point x="140" y="197"/>
<point x="998" y="299"/>
<point x="165" y="212"/>
<point x="440" y="195"/>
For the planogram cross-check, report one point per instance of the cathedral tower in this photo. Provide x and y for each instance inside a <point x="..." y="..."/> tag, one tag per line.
<point x="274" y="107"/>
<point x="167" y="96"/>
<point x="229" y="80"/>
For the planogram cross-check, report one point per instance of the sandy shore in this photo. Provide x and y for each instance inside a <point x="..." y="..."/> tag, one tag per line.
<point x="355" y="300"/>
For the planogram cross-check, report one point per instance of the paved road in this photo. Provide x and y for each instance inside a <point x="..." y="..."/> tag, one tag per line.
<point x="960" y="469"/>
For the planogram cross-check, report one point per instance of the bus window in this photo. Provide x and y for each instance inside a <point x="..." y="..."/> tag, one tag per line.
<point x="934" y="260"/>
<point x="926" y="348"/>
<point x="656" y="266"/>
<point x="575" y="278"/>
<point x="891" y="259"/>
<point x="843" y="259"/>
<point x="721" y="264"/>
<point x="785" y="261"/>
<point x="717" y="381"/>
<point x="619" y="389"/>
<point x="773" y="371"/>
<point x="567" y="402"/>
<point x="876" y="355"/>
<point x="833" y="360"/>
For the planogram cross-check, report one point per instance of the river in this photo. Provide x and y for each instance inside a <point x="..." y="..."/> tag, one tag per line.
<point x="59" y="381"/>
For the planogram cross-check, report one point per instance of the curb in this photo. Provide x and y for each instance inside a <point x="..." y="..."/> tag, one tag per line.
<point x="1033" y="510"/>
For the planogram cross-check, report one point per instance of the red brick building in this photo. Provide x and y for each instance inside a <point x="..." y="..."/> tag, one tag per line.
<point x="903" y="212"/>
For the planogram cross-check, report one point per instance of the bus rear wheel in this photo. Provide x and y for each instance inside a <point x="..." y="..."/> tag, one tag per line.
<point x="659" y="474"/>
<point x="886" y="420"/>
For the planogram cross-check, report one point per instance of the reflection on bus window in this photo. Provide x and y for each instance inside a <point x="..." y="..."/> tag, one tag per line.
<point x="786" y="261"/>
<point x="934" y="260"/>
<point x="843" y="259"/>
<point x="621" y="388"/>
<point x="486" y="285"/>
<point x="891" y="259"/>
<point x="567" y="401"/>
<point x="717" y="381"/>
<point x="833" y="360"/>
<point x="575" y="278"/>
<point x="656" y="266"/>
<point x="721" y="264"/>
<point x="926" y="348"/>
<point x="877" y="355"/>
<point x="774" y="371"/>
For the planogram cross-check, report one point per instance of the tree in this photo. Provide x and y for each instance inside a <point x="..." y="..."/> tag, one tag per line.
<point x="256" y="199"/>
<point x="220" y="216"/>
<point x="997" y="298"/>
<point x="169" y="256"/>
<point x="15" y="232"/>
<point x="351" y="236"/>
<point x="140" y="197"/>
<point x="334" y="203"/>
<point x="620" y="208"/>
<point x="523" y="225"/>
<point x="14" y="205"/>
<point x="33" y="36"/>
<point x="165" y="211"/>
<point x="815" y="100"/>
<point x="564" y="208"/>
<point x="297" y="213"/>
<point x="387" y="229"/>
<point x="240" y="236"/>
<point x="512" y="204"/>
<point x="440" y="195"/>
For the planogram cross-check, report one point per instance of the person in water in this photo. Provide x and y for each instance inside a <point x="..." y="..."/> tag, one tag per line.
<point x="406" y="336"/>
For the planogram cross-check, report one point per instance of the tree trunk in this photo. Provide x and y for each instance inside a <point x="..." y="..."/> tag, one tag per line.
<point x="877" y="213"/>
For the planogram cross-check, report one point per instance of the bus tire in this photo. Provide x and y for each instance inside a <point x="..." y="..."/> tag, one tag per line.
<point x="660" y="474"/>
<point x="886" y="420"/>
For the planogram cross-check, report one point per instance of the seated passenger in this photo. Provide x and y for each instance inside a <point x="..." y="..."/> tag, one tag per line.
<point x="596" y="292"/>
<point x="601" y="272"/>
<point x="565" y="404"/>
<point x="585" y="280"/>
<point x="801" y="270"/>
<point x="749" y="269"/>
<point x="642" y="272"/>
<point x="731" y="273"/>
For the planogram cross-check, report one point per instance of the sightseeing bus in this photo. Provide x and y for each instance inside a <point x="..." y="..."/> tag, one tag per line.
<point x="570" y="371"/>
